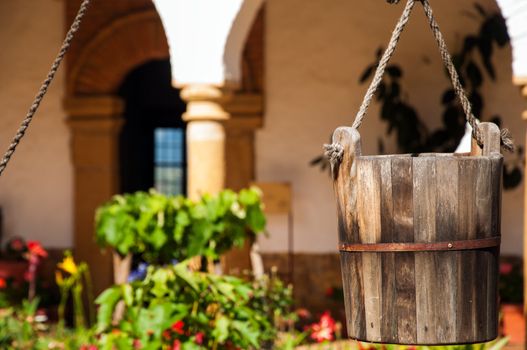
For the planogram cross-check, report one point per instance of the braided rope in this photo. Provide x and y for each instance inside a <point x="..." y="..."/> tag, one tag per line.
<point x="506" y="139"/>
<point x="44" y="87"/>
<point x="387" y="55"/>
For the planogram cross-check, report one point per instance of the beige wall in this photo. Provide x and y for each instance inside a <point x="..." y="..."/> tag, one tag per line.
<point x="316" y="51"/>
<point x="35" y="190"/>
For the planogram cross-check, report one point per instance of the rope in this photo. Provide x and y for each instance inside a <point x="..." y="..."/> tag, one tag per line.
<point x="506" y="139"/>
<point x="334" y="154"/>
<point x="387" y="55"/>
<point x="44" y="87"/>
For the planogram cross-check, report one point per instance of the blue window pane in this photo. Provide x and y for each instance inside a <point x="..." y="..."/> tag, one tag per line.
<point x="169" y="169"/>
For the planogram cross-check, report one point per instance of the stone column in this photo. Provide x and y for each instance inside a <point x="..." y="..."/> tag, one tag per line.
<point x="94" y="124"/>
<point x="246" y="112"/>
<point x="206" y="137"/>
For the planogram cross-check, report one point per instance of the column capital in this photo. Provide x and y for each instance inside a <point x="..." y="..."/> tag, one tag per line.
<point x="205" y="102"/>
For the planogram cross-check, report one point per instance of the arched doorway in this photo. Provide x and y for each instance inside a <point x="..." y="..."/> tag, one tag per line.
<point x="102" y="62"/>
<point x="152" y="152"/>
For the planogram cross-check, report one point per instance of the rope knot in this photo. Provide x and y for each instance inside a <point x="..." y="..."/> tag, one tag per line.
<point x="506" y="140"/>
<point x="334" y="154"/>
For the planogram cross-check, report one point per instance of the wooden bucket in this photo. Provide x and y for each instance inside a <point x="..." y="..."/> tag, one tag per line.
<point x="419" y="242"/>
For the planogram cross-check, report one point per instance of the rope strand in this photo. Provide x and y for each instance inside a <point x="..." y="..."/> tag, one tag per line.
<point x="387" y="55"/>
<point x="44" y="87"/>
<point x="506" y="139"/>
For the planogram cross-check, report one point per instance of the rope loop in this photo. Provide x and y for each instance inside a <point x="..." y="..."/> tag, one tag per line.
<point x="506" y="139"/>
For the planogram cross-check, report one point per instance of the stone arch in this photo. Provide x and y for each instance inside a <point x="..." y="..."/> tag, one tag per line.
<point x="239" y="33"/>
<point x="127" y="42"/>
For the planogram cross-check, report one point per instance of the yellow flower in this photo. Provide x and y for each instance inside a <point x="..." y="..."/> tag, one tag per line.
<point x="58" y="278"/>
<point x="68" y="265"/>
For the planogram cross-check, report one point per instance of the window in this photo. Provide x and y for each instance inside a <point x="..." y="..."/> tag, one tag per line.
<point x="169" y="160"/>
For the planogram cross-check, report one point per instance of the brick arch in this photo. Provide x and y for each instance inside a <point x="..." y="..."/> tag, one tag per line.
<point x="127" y="42"/>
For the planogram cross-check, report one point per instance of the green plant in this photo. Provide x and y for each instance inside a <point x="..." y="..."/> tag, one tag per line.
<point x="194" y="310"/>
<point x="163" y="228"/>
<point x="24" y="328"/>
<point x="75" y="282"/>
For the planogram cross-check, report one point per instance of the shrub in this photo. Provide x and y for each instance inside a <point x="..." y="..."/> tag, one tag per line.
<point x="163" y="228"/>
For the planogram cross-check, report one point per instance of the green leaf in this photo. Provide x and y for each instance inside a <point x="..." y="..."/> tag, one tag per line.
<point x="251" y="335"/>
<point x="249" y="196"/>
<point x="190" y="278"/>
<point x="221" y="330"/>
<point x="160" y="317"/>
<point x="256" y="220"/>
<point x="107" y="301"/>
<point x="158" y="238"/>
<point x="499" y="344"/>
<point x="127" y="293"/>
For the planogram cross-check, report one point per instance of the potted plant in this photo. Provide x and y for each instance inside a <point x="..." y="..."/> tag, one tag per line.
<point x="160" y="229"/>
<point x="175" y="308"/>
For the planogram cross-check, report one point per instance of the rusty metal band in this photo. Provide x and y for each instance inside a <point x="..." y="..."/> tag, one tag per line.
<point x="422" y="247"/>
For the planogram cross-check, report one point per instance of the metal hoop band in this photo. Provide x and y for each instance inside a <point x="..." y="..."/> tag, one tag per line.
<point x="422" y="247"/>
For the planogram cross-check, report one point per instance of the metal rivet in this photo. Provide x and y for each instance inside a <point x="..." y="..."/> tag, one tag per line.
<point x="450" y="245"/>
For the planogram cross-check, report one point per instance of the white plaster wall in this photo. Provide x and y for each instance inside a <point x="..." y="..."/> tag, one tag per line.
<point x="316" y="51"/>
<point x="36" y="188"/>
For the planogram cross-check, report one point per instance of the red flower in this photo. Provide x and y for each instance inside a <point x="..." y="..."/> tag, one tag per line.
<point x="323" y="330"/>
<point x="3" y="283"/>
<point x="166" y="334"/>
<point x="176" y="345"/>
<point x="199" y="338"/>
<point x="17" y="244"/>
<point x="35" y="248"/>
<point x="177" y="327"/>
<point x="303" y="313"/>
<point x="136" y="344"/>
<point x="89" y="347"/>
<point x="505" y="268"/>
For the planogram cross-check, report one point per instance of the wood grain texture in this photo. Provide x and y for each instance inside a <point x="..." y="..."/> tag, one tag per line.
<point x="424" y="200"/>
<point x="369" y="213"/>
<point x="466" y="261"/>
<point x="421" y="297"/>
<point x="388" y="266"/>
<point x="353" y="294"/>
<point x="402" y="189"/>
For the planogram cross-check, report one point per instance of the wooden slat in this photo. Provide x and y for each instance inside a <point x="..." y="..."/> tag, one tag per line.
<point x="369" y="186"/>
<point x="345" y="183"/>
<point x="402" y="189"/>
<point x="424" y="199"/>
<point x="496" y="164"/>
<point x="424" y="202"/>
<point x="446" y="228"/>
<point x="353" y="294"/>
<point x="491" y="135"/>
<point x="492" y="293"/>
<point x="467" y="289"/>
<point x="388" y="268"/>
